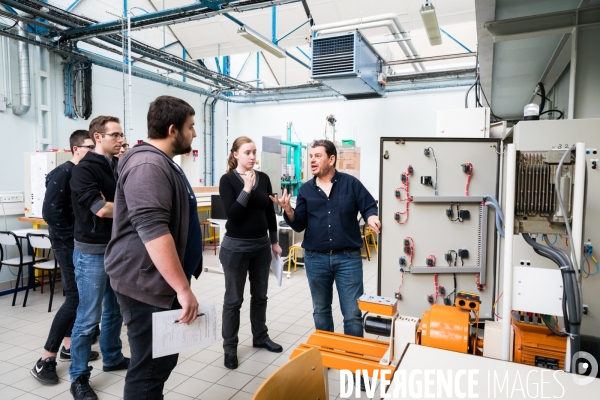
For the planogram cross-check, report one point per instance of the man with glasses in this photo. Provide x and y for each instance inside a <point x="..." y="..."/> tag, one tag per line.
<point x="327" y="207"/>
<point x="124" y="148"/>
<point x="58" y="214"/>
<point x="93" y="186"/>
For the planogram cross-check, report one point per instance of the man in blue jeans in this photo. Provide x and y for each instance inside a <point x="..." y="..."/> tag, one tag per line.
<point x="327" y="207"/>
<point x="93" y="185"/>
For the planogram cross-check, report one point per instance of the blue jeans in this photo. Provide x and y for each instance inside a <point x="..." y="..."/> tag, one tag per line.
<point x="94" y="288"/>
<point x="345" y="269"/>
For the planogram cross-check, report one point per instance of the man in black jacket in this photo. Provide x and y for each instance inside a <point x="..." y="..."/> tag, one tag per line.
<point x="156" y="244"/>
<point x="92" y="192"/>
<point x="58" y="214"/>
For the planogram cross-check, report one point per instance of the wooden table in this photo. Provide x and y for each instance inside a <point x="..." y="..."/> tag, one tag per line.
<point x="37" y="222"/>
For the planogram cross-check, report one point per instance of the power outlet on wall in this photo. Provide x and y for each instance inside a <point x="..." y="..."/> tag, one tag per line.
<point x="11" y="197"/>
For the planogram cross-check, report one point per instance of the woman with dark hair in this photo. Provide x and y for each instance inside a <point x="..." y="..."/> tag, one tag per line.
<point x="246" y="248"/>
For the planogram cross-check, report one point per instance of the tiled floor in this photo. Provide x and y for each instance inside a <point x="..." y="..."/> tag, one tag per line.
<point x="199" y="374"/>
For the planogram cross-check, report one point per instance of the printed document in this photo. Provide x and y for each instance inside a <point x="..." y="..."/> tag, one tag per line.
<point x="170" y="337"/>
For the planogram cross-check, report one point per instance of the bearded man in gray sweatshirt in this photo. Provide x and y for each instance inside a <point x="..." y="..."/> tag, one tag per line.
<point x="156" y="243"/>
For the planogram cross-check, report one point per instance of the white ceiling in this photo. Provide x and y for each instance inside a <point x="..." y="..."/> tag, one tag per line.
<point x="217" y="36"/>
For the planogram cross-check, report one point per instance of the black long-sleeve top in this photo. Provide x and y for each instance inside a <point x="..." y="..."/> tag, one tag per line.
<point x="57" y="210"/>
<point x="331" y="222"/>
<point x="249" y="216"/>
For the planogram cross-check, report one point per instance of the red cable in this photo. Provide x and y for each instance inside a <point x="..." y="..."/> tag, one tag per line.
<point x="479" y="286"/>
<point x="469" y="174"/>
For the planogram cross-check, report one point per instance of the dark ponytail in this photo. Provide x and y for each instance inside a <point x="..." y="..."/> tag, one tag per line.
<point x="237" y="143"/>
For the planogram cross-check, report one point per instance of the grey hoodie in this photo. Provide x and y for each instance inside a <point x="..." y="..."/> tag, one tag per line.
<point x="151" y="200"/>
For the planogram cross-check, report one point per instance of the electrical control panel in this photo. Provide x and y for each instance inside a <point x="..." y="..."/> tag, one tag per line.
<point x="536" y="137"/>
<point x="438" y="219"/>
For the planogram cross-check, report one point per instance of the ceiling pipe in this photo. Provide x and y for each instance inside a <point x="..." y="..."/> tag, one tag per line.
<point x="24" y="83"/>
<point x="377" y="18"/>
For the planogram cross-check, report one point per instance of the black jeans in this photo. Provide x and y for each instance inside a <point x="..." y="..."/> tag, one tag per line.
<point x="236" y="266"/>
<point x="65" y="316"/>
<point x="146" y="376"/>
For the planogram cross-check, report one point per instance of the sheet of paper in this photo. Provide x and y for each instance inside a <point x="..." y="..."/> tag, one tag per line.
<point x="171" y="338"/>
<point x="277" y="268"/>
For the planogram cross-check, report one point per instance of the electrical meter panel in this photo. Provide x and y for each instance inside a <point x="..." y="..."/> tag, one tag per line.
<point x="437" y="206"/>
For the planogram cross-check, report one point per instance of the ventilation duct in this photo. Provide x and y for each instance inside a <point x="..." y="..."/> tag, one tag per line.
<point x="347" y="64"/>
<point x="24" y="84"/>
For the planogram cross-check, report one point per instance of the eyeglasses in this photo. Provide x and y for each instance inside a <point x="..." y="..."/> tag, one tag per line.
<point x="89" y="146"/>
<point x="115" y="135"/>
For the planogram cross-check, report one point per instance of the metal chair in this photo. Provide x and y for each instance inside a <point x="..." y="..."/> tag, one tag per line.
<point x="42" y="242"/>
<point x="10" y="239"/>
<point x="211" y="228"/>
<point x="293" y="257"/>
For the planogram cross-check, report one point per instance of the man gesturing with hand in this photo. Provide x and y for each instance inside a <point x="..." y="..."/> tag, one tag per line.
<point x="327" y="207"/>
<point x="156" y="244"/>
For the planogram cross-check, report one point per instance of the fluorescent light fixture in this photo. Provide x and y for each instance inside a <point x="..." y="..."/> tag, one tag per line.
<point x="261" y="41"/>
<point x="431" y="23"/>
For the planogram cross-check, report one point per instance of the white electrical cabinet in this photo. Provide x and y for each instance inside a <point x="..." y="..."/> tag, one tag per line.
<point x="436" y="229"/>
<point x="539" y="136"/>
<point x="36" y="167"/>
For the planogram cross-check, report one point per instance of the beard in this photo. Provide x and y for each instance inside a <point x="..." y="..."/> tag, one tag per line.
<point x="180" y="146"/>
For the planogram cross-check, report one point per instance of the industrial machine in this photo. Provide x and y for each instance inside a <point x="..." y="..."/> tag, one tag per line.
<point x="449" y="328"/>
<point x="292" y="177"/>
<point x="506" y="220"/>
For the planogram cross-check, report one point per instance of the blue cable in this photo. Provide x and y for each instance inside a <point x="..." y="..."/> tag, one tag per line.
<point x="499" y="216"/>
<point x="589" y="253"/>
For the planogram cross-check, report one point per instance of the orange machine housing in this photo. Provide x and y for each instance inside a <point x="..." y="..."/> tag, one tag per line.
<point x="449" y="327"/>
<point x="536" y="345"/>
<point x="445" y="327"/>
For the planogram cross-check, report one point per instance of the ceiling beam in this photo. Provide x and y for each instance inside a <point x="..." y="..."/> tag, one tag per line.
<point x="559" y="60"/>
<point x="191" y="12"/>
<point x="543" y="24"/>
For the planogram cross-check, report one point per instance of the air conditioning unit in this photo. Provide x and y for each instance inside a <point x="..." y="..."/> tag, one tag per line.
<point x="347" y="64"/>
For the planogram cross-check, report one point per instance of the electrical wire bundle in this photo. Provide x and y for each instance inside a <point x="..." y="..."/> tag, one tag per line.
<point x="404" y="177"/>
<point x="490" y="201"/>
<point x="78" y="89"/>
<point x="572" y="298"/>
<point x="588" y="255"/>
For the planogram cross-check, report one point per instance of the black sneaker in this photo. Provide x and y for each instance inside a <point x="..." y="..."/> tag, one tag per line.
<point x="65" y="355"/>
<point x="81" y="389"/>
<point x="122" y="365"/>
<point x="45" y="371"/>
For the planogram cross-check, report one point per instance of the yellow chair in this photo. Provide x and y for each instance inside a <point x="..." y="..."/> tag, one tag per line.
<point x="370" y="239"/>
<point x="301" y="378"/>
<point x="293" y="256"/>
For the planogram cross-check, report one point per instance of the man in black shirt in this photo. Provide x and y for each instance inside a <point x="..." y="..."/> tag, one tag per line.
<point x="93" y="187"/>
<point x="57" y="211"/>
<point x="327" y="207"/>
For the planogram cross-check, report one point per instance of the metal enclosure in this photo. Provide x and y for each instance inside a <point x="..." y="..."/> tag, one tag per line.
<point x="36" y="166"/>
<point x="433" y="232"/>
<point x="531" y="136"/>
<point x="347" y="64"/>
